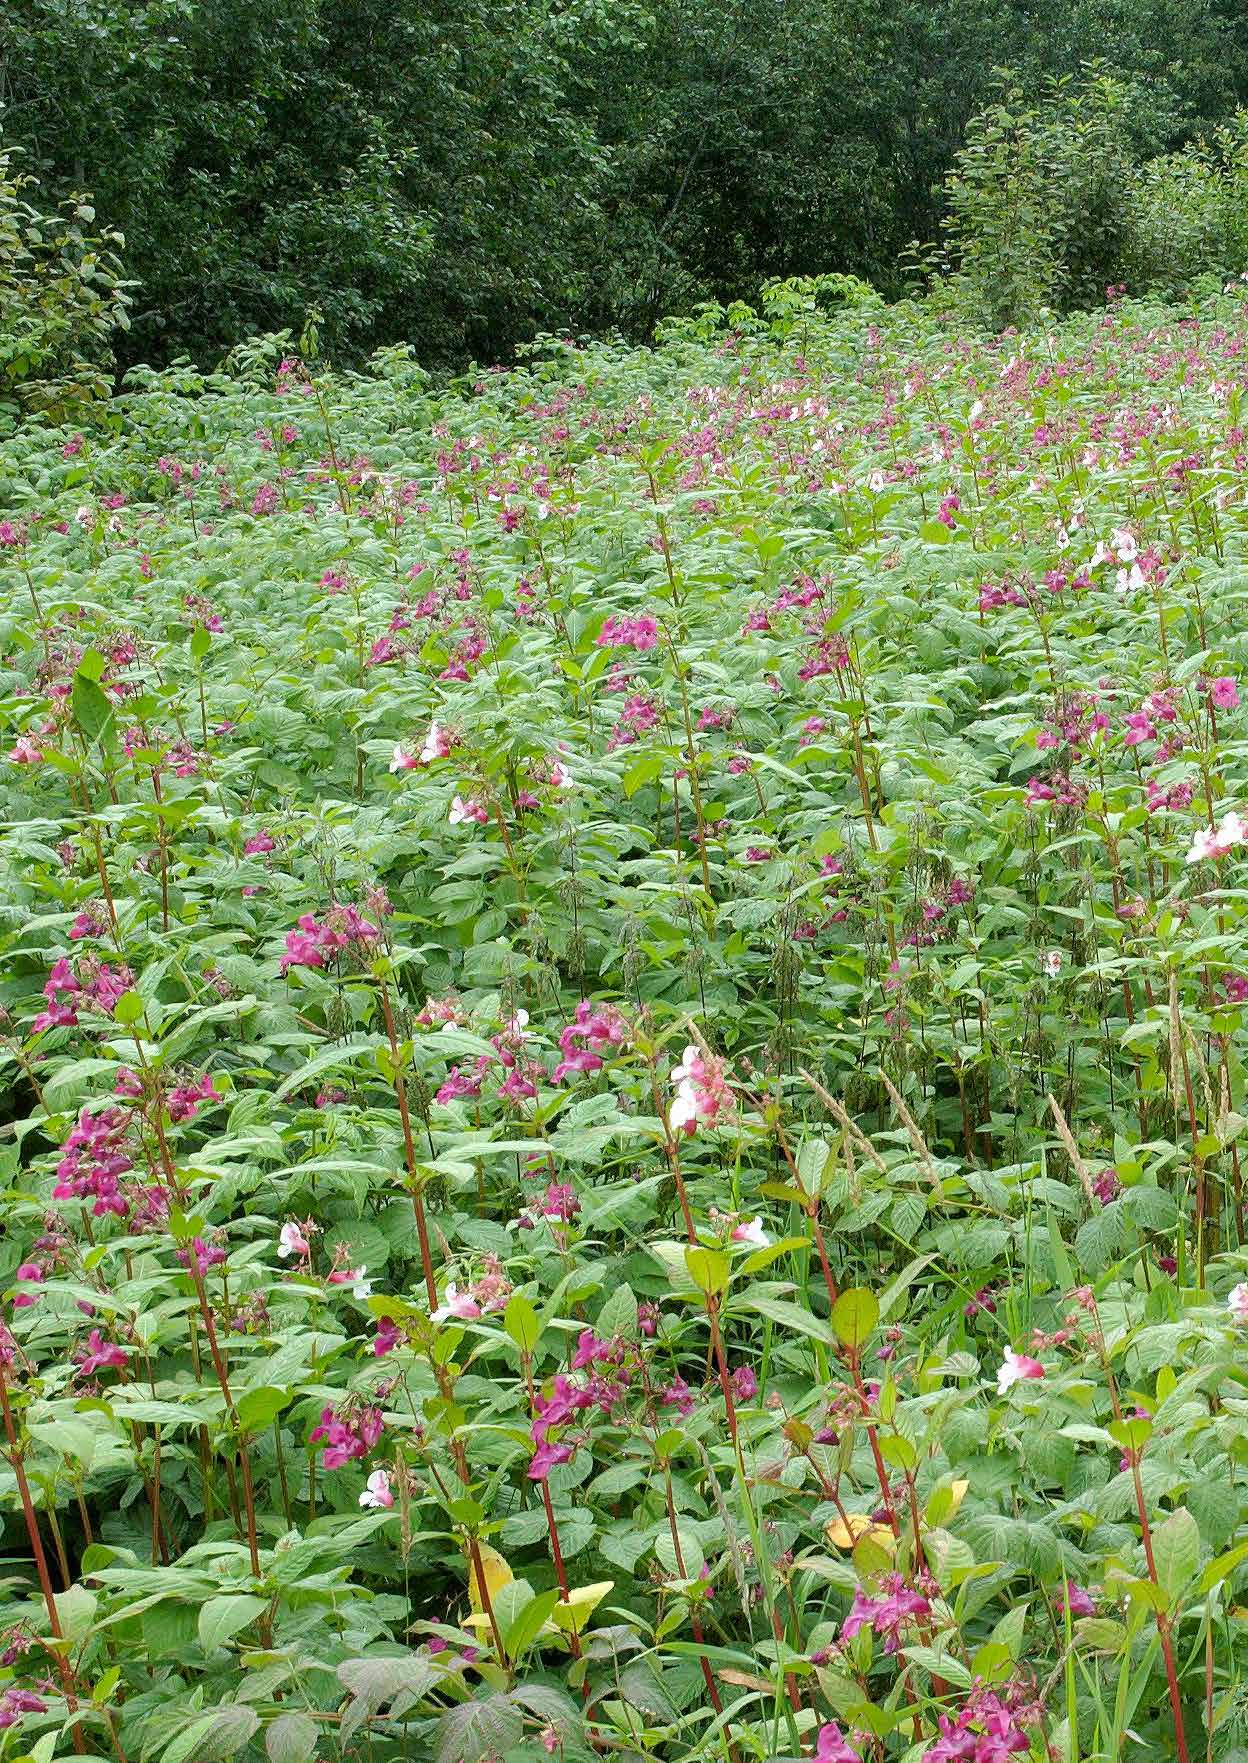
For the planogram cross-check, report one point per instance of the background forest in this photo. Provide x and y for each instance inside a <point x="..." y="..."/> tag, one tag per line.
<point x="460" y="174"/>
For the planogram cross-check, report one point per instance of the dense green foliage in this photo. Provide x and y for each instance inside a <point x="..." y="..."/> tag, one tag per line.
<point x="457" y="174"/>
<point x="623" y="1018"/>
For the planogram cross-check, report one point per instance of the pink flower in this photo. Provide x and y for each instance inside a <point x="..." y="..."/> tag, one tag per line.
<point x="464" y="809"/>
<point x="1237" y="1303"/>
<point x="750" y="1230"/>
<point x="1225" y="693"/>
<point x="438" y="744"/>
<point x="24" y="752"/>
<point x="377" y="1490"/>
<point x="1016" y="1368"/>
<point x="629" y="633"/>
<point x="401" y="761"/>
<point x="349" y="1434"/>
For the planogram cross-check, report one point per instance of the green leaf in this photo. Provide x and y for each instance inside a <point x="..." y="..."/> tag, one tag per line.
<point x="709" y="1270"/>
<point x="522" y="1323"/>
<point x="854" y="1316"/>
<point x="128" y="1009"/>
<point x="93" y="711"/>
<point x="788" y="1316"/>
<point x="292" y="1738"/>
<point x="1176" y="1551"/>
<point x="260" y="1408"/>
<point x="485" y="1727"/>
<point x="222" y="1618"/>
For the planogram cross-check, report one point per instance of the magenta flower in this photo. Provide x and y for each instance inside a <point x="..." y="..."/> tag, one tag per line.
<point x="29" y="1273"/>
<point x="1074" y="1599"/>
<point x="348" y="1433"/>
<point x="544" y="1459"/>
<point x="98" y="1355"/>
<point x="833" y="1747"/>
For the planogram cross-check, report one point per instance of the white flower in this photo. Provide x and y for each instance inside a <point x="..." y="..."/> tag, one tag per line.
<point x="561" y="777"/>
<point x="875" y="483"/>
<point x="1123" y="541"/>
<point x="1053" y="963"/>
<point x="1237" y="1303"/>
<point x="977" y="409"/>
<point x="751" y="1231"/>
<point x="432" y="748"/>
<point x="684" y="1108"/>
<point x="377" y="1490"/>
<point x="683" y="1072"/>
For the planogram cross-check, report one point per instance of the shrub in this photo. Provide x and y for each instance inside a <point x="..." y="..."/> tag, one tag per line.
<point x="62" y="297"/>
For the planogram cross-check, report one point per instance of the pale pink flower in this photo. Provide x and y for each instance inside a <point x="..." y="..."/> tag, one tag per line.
<point x="461" y="1305"/>
<point x="1016" y="1368"/>
<point x="377" y="1492"/>
<point x="1207" y="842"/>
<point x="291" y="1241"/>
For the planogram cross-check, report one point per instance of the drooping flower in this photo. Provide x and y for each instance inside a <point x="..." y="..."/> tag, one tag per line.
<point x="1016" y="1368"/>
<point x="377" y="1492"/>
<point x="750" y="1230"/>
<point x="1208" y="842"/>
<point x="833" y="1747"/>
<point x="291" y="1241"/>
<point x="463" y="809"/>
<point x="98" y="1355"/>
<point x="401" y="760"/>
<point x="1074" y="1599"/>
<point x="702" y="1094"/>
<point x="355" y="1277"/>
<point x="1237" y="1303"/>
<point x="458" y="1304"/>
<point x="348" y="1434"/>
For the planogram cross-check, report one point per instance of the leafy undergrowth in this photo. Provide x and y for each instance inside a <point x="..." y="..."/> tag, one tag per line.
<point x="623" y="995"/>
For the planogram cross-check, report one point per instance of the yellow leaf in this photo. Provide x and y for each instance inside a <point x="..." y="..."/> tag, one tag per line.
<point x="497" y="1575"/>
<point x="843" y="1533"/>
<point x="958" y="1490"/>
<point x="574" y="1611"/>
